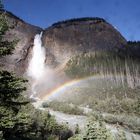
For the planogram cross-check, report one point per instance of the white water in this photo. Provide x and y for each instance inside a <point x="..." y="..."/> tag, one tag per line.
<point x="36" y="68"/>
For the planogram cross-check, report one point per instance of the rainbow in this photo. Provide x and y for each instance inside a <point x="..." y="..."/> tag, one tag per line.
<point x="58" y="90"/>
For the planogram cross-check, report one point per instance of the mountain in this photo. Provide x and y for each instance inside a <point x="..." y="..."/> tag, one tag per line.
<point x="62" y="40"/>
<point x="67" y="38"/>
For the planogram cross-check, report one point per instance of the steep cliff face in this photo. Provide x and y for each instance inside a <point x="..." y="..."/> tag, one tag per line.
<point x="24" y="33"/>
<point x="65" y="39"/>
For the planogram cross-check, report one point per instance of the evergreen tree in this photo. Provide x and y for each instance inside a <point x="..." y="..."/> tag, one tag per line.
<point x="12" y="120"/>
<point x="96" y="130"/>
<point x="6" y="47"/>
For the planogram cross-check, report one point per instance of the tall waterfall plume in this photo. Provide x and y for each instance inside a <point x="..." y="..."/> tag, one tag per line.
<point x="36" y="68"/>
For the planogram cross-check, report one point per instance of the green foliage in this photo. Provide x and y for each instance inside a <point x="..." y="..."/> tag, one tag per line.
<point x="117" y="106"/>
<point x="13" y="120"/>
<point x="3" y="25"/>
<point x="6" y="47"/>
<point x="130" y="123"/>
<point x="76" y="137"/>
<point x="102" y="63"/>
<point x="95" y="130"/>
<point x="63" y="107"/>
<point x="11" y="86"/>
<point x="43" y="126"/>
<point x="122" y="70"/>
<point x="104" y="95"/>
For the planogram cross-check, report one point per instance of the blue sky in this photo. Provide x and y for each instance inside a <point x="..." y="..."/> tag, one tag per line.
<point x="123" y="14"/>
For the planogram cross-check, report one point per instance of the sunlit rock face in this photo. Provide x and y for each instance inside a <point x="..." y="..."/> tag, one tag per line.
<point x="24" y="33"/>
<point x="65" y="39"/>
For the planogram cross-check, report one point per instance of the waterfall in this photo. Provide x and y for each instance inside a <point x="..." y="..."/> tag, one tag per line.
<point x="36" y="68"/>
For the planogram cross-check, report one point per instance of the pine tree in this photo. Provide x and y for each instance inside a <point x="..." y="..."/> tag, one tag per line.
<point x="12" y="119"/>
<point x="96" y="130"/>
<point x="6" y="47"/>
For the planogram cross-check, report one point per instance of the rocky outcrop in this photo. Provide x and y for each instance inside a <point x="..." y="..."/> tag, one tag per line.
<point x="24" y="33"/>
<point x="67" y="38"/>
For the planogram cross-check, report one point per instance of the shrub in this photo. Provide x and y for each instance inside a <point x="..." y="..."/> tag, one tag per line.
<point x="64" y="107"/>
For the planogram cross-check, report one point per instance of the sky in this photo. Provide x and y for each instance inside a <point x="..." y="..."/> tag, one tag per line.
<point x="122" y="14"/>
